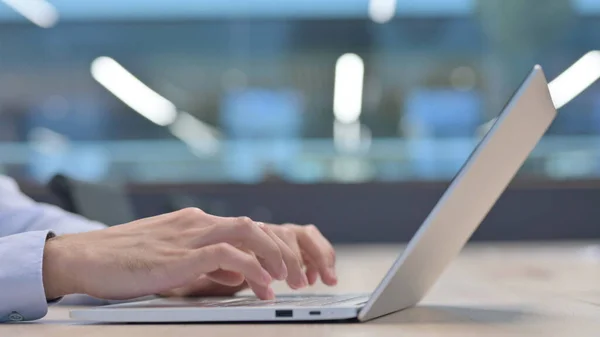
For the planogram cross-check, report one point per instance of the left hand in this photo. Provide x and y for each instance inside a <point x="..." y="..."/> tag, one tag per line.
<point x="307" y="242"/>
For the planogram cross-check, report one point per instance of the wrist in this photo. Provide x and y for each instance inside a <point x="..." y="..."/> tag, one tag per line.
<point x="56" y="271"/>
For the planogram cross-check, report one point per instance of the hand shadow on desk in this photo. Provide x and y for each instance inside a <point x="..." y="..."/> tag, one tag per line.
<point x="442" y="314"/>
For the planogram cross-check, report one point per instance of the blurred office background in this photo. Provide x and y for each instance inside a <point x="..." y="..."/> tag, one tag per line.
<point x="352" y="114"/>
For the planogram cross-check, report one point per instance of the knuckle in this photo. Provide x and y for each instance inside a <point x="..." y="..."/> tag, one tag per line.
<point x="249" y="260"/>
<point x="312" y="229"/>
<point x="221" y="249"/>
<point x="192" y="212"/>
<point x="245" y="224"/>
<point x="287" y="233"/>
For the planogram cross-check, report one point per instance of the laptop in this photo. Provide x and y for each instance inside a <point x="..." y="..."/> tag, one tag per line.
<point x="460" y="210"/>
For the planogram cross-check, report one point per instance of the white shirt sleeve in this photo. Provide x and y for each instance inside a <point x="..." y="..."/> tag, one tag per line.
<point x="19" y="213"/>
<point x="24" y="226"/>
<point x="22" y="295"/>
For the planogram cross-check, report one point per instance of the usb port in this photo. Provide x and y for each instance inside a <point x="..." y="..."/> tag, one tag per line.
<point x="284" y="313"/>
<point x="314" y="313"/>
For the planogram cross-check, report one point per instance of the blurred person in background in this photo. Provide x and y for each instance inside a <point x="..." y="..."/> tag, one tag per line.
<point x="47" y="253"/>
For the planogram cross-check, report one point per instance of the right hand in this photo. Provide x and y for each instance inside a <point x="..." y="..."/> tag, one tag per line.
<point x="157" y="254"/>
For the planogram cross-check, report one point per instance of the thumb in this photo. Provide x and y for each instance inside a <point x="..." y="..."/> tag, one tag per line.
<point x="204" y="286"/>
<point x="226" y="278"/>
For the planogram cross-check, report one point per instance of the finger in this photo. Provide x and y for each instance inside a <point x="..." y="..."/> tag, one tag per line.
<point x="287" y="234"/>
<point x="212" y="288"/>
<point x="226" y="257"/>
<point x="245" y="233"/>
<point x="311" y="274"/>
<point x="226" y="277"/>
<point x="296" y="278"/>
<point x="319" y="251"/>
<point x="312" y="271"/>
<point x="204" y="286"/>
<point x="261" y="291"/>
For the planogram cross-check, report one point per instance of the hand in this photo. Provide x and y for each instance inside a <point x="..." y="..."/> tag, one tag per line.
<point x="307" y="242"/>
<point x="313" y="249"/>
<point x="154" y="255"/>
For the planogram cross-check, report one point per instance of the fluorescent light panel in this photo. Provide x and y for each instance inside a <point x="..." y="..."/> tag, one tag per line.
<point x="40" y="12"/>
<point x="575" y="79"/>
<point x="195" y="133"/>
<point x="121" y="83"/>
<point x="382" y="11"/>
<point x="348" y="88"/>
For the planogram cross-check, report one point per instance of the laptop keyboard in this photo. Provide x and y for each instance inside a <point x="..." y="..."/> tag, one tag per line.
<point x="305" y="301"/>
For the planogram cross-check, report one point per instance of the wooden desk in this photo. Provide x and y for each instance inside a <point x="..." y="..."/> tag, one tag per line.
<point x="490" y="290"/>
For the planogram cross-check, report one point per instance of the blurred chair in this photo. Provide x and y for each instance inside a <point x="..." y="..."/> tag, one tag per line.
<point x="264" y="127"/>
<point x="440" y="126"/>
<point x="108" y="204"/>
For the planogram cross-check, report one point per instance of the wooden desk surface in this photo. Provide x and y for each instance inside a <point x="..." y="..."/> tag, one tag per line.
<point x="490" y="290"/>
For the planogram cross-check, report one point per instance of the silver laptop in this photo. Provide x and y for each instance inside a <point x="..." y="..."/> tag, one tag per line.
<point x="463" y="206"/>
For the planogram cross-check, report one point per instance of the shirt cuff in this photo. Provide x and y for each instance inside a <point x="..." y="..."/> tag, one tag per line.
<point x="22" y="295"/>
